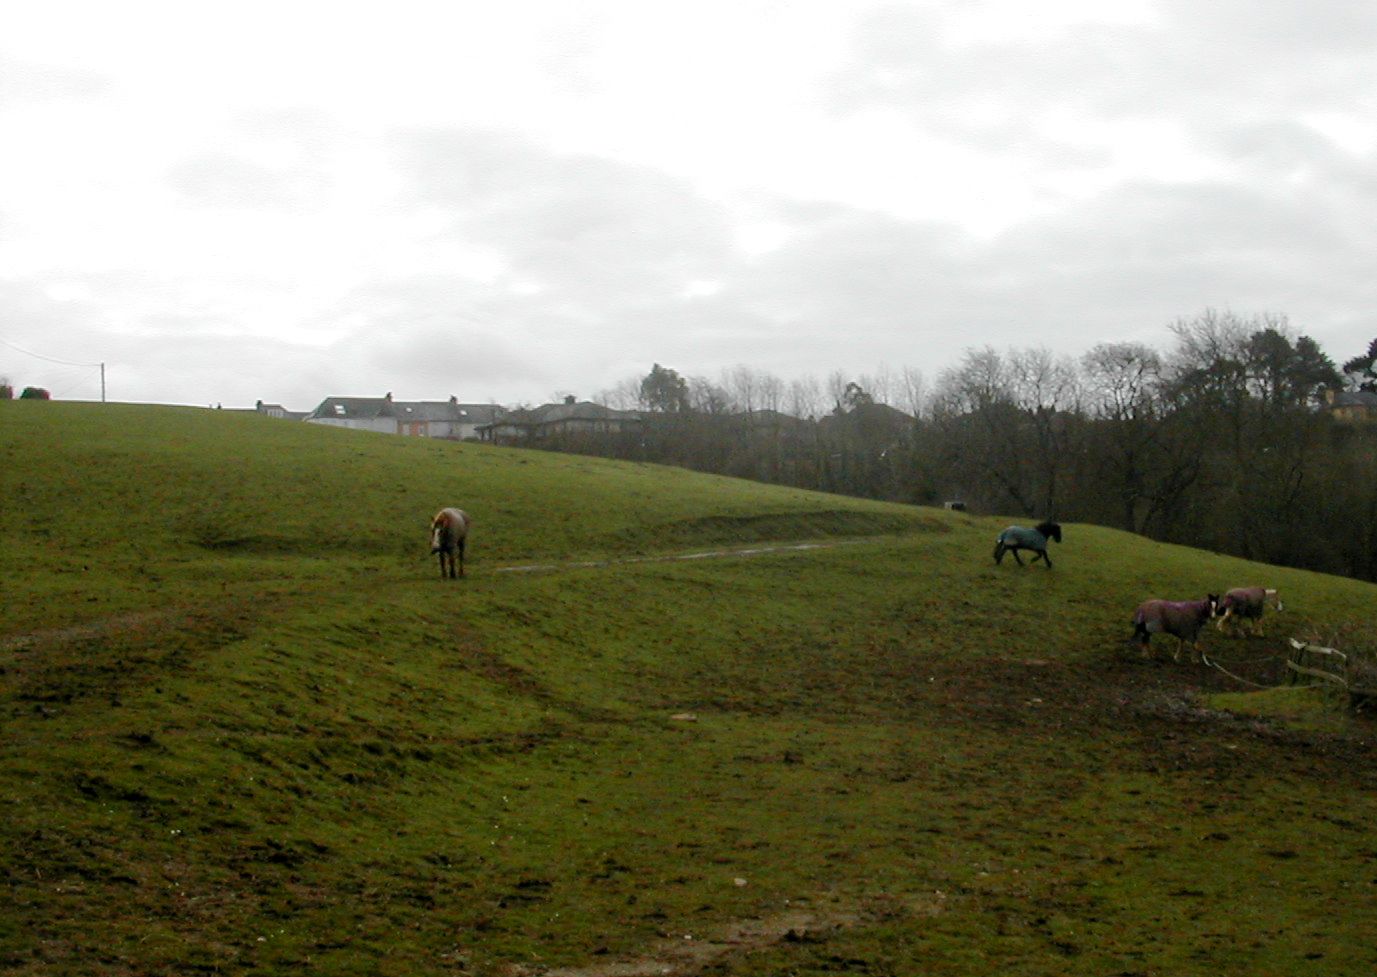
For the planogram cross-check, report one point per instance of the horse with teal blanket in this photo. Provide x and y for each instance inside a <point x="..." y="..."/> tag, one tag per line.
<point x="1017" y="538"/>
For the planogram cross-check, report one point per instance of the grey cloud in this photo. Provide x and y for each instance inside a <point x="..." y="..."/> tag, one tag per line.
<point x="1205" y="65"/>
<point x="593" y="230"/>
<point x="1333" y="26"/>
<point x="20" y="81"/>
<point x="226" y="180"/>
<point x="439" y="332"/>
<point x="850" y="285"/>
<point x="1146" y="254"/>
<point x="470" y="361"/>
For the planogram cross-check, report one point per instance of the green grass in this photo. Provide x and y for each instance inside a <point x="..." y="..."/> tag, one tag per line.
<point x="248" y="730"/>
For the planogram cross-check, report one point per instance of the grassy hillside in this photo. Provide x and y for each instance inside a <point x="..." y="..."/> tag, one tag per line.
<point x="247" y="729"/>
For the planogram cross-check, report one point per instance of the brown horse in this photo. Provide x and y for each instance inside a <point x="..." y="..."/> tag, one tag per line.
<point x="448" y="532"/>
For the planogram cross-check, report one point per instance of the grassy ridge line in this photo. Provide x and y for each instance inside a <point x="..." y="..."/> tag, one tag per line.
<point x="205" y="479"/>
<point x="115" y="508"/>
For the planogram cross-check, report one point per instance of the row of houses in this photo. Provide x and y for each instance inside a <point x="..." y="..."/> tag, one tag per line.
<point x="462" y="422"/>
<point x="489" y="422"/>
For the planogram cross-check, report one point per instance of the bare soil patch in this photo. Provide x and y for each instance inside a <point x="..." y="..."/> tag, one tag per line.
<point x="681" y="955"/>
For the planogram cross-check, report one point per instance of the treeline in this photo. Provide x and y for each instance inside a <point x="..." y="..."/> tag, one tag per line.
<point x="1220" y="442"/>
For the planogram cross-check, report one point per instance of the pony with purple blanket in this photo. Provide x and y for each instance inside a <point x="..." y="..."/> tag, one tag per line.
<point x="1182" y="619"/>
<point x="1017" y="538"/>
<point x="1245" y="605"/>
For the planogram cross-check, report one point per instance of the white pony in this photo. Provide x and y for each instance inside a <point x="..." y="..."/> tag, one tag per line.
<point x="448" y="532"/>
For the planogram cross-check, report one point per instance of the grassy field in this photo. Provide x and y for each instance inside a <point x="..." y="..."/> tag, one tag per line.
<point x="248" y="730"/>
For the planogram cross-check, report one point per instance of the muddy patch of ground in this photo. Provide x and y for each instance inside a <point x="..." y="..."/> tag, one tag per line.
<point x="1162" y="703"/>
<point x="686" y="954"/>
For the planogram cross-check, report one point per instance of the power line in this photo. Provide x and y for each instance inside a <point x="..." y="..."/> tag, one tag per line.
<point x="40" y="356"/>
<point x="53" y="359"/>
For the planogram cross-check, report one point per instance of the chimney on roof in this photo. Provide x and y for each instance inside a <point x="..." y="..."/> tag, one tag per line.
<point x="388" y="398"/>
<point x="454" y="400"/>
<point x="569" y="399"/>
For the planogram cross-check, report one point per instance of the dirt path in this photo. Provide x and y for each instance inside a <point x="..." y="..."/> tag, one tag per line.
<point x="91" y="629"/>
<point x="690" y="953"/>
<point x="679" y="557"/>
<point x="23" y="641"/>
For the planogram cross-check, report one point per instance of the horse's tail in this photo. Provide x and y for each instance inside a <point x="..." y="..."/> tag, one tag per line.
<point x="999" y="550"/>
<point x="1140" y="631"/>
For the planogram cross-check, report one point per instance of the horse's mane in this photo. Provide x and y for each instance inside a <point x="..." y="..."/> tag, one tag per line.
<point x="1051" y="530"/>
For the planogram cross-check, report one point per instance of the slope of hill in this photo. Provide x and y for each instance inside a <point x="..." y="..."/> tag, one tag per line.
<point x="247" y="728"/>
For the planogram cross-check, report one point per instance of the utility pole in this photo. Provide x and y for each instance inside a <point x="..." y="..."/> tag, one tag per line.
<point x="102" y="383"/>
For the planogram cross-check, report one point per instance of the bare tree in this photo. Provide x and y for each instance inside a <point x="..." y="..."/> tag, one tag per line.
<point x="1123" y="383"/>
<point x="742" y="388"/>
<point x="772" y="391"/>
<point x="978" y="433"/>
<point x="882" y="385"/>
<point x="708" y="398"/>
<point x="805" y="398"/>
<point x="913" y="397"/>
<point x="624" y="395"/>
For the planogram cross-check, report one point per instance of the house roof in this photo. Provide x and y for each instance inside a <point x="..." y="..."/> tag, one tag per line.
<point x="871" y="415"/>
<point x="479" y="413"/>
<point x="369" y="408"/>
<point x="354" y="408"/>
<point x="767" y="417"/>
<point x="1354" y="398"/>
<point x="554" y="413"/>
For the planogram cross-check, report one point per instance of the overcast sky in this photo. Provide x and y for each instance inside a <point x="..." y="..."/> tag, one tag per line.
<point x="509" y="201"/>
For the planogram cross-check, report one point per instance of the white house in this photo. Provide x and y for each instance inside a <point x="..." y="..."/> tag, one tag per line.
<point x="420" y="418"/>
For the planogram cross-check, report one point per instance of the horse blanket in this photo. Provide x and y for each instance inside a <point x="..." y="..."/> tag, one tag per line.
<point x="1247" y="601"/>
<point x="1022" y="536"/>
<point x="1182" y="619"/>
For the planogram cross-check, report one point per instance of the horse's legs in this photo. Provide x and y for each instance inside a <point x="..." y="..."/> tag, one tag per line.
<point x="1045" y="558"/>
<point x="461" y="555"/>
<point x="1142" y="639"/>
<point x="442" y="564"/>
<point x="1014" y="550"/>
